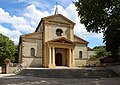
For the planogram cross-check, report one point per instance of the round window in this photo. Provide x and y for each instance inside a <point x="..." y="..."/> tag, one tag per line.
<point x="59" y="32"/>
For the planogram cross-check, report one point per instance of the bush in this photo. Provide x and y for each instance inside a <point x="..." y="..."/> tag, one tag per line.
<point x="93" y="57"/>
<point x="93" y="63"/>
<point x="107" y="60"/>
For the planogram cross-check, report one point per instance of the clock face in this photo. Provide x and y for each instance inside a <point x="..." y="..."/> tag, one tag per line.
<point x="59" y="32"/>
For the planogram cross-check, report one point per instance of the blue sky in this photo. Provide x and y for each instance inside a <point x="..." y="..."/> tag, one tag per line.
<point x="19" y="17"/>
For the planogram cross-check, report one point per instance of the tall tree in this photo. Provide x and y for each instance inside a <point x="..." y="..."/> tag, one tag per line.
<point x="7" y="49"/>
<point x="101" y="52"/>
<point x="102" y="16"/>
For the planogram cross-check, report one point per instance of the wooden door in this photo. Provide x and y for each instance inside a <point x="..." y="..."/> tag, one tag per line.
<point x="58" y="59"/>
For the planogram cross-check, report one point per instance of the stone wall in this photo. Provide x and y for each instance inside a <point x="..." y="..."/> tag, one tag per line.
<point x="33" y="41"/>
<point x="79" y="62"/>
<point x="10" y="70"/>
<point x="32" y="62"/>
<point x="83" y="48"/>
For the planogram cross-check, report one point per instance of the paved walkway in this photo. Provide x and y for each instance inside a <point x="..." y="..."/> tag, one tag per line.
<point x="11" y="79"/>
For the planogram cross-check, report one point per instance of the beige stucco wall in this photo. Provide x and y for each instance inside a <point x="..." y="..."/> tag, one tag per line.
<point x="50" y="32"/>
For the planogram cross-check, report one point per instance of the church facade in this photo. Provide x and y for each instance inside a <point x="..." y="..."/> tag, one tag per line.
<point x="53" y="44"/>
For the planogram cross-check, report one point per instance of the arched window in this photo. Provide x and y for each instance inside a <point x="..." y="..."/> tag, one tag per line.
<point x="80" y="54"/>
<point x="32" y="52"/>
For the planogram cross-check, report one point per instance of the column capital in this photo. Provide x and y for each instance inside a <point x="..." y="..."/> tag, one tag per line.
<point x="49" y="47"/>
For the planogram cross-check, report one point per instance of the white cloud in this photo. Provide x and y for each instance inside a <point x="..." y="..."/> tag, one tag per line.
<point x="25" y="23"/>
<point x="4" y="16"/>
<point x="12" y="34"/>
<point x="79" y="29"/>
<point x="61" y="10"/>
<point x="19" y="23"/>
<point x="31" y="17"/>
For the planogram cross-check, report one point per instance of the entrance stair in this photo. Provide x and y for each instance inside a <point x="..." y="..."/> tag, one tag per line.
<point x="68" y="73"/>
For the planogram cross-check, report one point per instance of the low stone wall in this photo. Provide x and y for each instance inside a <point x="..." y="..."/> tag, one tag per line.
<point x="0" y="69"/>
<point x="93" y="62"/>
<point x="13" y="68"/>
<point x="10" y="70"/>
<point x="80" y="63"/>
<point x="115" y="69"/>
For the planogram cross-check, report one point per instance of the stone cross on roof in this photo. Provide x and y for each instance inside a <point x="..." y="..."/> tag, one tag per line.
<point x="56" y="9"/>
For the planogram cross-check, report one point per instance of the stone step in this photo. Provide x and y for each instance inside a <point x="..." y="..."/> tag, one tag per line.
<point x="68" y="73"/>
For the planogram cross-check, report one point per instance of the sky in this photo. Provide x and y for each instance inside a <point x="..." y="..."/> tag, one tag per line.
<point x="18" y="17"/>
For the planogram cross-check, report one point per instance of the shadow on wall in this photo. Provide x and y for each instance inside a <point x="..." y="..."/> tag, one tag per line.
<point x="32" y="62"/>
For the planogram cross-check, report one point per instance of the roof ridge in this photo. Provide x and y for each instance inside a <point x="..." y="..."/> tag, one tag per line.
<point x="80" y="38"/>
<point x="31" y="33"/>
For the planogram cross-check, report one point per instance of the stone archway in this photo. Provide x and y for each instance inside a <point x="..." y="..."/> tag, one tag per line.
<point x="58" y="59"/>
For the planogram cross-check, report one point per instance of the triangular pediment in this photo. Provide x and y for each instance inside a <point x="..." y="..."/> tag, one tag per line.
<point x="59" y="18"/>
<point x="62" y="40"/>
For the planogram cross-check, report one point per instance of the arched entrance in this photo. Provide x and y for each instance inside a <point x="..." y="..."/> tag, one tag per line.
<point x="58" y="59"/>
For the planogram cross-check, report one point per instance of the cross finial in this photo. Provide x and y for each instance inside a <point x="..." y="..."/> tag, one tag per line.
<point x="56" y="10"/>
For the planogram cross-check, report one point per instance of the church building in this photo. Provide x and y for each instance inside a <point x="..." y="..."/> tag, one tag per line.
<point x="53" y="44"/>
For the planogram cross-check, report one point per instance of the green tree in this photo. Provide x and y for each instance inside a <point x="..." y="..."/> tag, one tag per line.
<point x="102" y="16"/>
<point x="7" y="49"/>
<point x="101" y="52"/>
